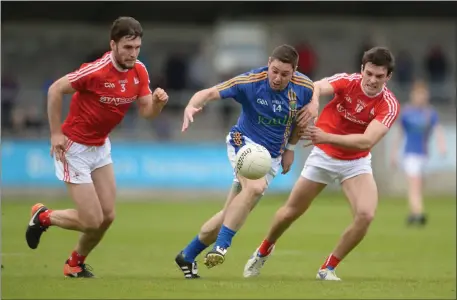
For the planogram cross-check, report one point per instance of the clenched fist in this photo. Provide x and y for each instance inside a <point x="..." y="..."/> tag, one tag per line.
<point x="160" y="95"/>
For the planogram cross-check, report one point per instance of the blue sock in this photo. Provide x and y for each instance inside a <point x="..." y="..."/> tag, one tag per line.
<point x="192" y="250"/>
<point x="224" y="238"/>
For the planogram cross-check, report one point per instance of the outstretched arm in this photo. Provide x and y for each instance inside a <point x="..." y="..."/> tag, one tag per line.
<point x="229" y="89"/>
<point x="365" y="141"/>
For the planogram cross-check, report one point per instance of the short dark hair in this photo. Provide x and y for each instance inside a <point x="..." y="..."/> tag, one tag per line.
<point x="379" y="56"/>
<point x="125" y="27"/>
<point x="286" y="54"/>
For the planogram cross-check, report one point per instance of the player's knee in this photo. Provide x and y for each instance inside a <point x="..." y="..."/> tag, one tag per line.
<point x="364" y="217"/>
<point x="256" y="189"/>
<point x="289" y="213"/>
<point x="91" y="220"/>
<point x="108" y="219"/>
<point x="92" y="224"/>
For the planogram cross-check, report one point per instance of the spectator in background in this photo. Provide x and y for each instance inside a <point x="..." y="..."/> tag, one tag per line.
<point x="95" y="54"/>
<point x="10" y="90"/>
<point x="436" y="65"/>
<point x="176" y="66"/>
<point x="404" y="71"/>
<point x="199" y="73"/>
<point x="366" y="45"/>
<point x="307" y="63"/>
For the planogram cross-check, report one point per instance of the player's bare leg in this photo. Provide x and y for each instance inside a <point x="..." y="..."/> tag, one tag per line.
<point x="105" y="187"/>
<point x="208" y="232"/>
<point x="236" y="214"/>
<point x="300" y="198"/>
<point x="87" y="218"/>
<point x="362" y="194"/>
<point x="415" y="200"/>
<point x="207" y="235"/>
<point x="94" y="214"/>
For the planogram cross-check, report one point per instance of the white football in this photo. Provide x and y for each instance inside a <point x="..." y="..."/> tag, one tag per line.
<point x="252" y="161"/>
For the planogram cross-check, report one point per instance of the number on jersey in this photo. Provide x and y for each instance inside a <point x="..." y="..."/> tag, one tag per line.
<point x="277" y="108"/>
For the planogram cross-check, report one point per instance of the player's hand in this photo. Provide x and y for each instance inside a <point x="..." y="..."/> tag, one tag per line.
<point x="315" y="135"/>
<point x="58" y="142"/>
<point x="160" y="96"/>
<point x="287" y="161"/>
<point x="307" y="114"/>
<point x="189" y="113"/>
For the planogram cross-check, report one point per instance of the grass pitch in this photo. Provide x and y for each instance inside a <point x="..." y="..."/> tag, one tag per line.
<point x="136" y="259"/>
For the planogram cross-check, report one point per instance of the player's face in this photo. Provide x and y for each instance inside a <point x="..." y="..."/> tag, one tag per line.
<point x="419" y="96"/>
<point x="279" y="74"/>
<point x="373" y="78"/>
<point x="126" y="51"/>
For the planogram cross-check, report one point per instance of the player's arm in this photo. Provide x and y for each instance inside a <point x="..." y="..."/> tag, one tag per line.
<point x="289" y="153"/>
<point x="151" y="105"/>
<point x="324" y="87"/>
<point x="55" y="97"/>
<point x="372" y="135"/>
<point x="228" y="89"/>
<point x="375" y="131"/>
<point x="201" y="98"/>
<point x="331" y="85"/>
<point x="231" y="88"/>
<point x="294" y="138"/>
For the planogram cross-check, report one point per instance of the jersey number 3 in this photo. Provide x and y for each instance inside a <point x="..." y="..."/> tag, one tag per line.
<point x="122" y="87"/>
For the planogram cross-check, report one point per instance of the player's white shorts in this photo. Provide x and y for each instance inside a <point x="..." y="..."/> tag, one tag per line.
<point x="235" y="141"/>
<point x="320" y="167"/>
<point x="81" y="161"/>
<point x="413" y="164"/>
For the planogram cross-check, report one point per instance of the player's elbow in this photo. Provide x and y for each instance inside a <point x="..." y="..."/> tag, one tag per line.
<point x="53" y="90"/>
<point x="210" y="94"/>
<point x="365" y="143"/>
<point x="60" y="87"/>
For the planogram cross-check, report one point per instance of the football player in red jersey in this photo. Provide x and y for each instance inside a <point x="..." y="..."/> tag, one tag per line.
<point x="103" y="91"/>
<point x="360" y="114"/>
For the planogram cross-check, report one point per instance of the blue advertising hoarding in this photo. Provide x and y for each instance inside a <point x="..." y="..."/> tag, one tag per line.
<point x="143" y="165"/>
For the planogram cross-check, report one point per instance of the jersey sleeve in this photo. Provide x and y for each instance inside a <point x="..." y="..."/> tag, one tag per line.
<point x="389" y="110"/>
<point x="305" y="90"/>
<point x="144" y="80"/>
<point x="340" y="81"/>
<point x="308" y="93"/>
<point x="236" y="87"/>
<point x="83" y="78"/>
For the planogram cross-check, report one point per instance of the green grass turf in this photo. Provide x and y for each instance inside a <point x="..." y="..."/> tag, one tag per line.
<point x="136" y="259"/>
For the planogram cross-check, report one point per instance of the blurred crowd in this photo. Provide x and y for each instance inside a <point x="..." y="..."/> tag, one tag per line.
<point x="184" y="72"/>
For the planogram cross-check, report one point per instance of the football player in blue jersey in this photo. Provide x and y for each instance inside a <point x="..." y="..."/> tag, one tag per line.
<point x="274" y="99"/>
<point x="418" y="122"/>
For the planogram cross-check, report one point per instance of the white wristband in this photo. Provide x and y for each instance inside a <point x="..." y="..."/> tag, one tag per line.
<point x="290" y="147"/>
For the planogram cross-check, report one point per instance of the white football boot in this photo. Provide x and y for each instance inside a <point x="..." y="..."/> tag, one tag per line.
<point x="327" y="274"/>
<point x="255" y="263"/>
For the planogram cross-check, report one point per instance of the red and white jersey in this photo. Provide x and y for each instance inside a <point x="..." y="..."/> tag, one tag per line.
<point x="103" y="95"/>
<point x="351" y="110"/>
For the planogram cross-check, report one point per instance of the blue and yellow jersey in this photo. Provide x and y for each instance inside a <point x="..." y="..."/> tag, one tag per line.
<point x="267" y="116"/>
<point x="418" y="124"/>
